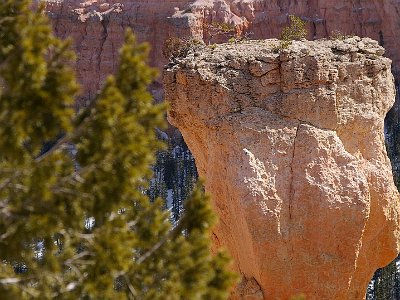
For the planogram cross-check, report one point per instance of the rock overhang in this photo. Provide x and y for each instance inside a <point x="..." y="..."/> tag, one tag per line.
<point x="279" y="76"/>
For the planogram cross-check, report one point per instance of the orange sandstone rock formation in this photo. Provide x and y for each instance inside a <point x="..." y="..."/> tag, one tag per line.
<point x="292" y="149"/>
<point x="97" y="26"/>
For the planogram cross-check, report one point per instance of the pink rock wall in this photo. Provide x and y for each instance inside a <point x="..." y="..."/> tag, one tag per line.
<point x="97" y="26"/>
<point x="97" y="29"/>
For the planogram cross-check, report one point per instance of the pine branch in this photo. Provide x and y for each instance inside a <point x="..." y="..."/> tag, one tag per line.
<point x="69" y="137"/>
<point x="173" y="233"/>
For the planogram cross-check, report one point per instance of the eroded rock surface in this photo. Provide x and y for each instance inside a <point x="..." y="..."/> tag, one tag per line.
<point x="292" y="149"/>
<point x="97" y="26"/>
<point x="266" y="18"/>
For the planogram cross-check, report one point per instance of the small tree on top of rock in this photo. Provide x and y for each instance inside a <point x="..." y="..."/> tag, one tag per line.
<point x="294" y="32"/>
<point x="175" y="47"/>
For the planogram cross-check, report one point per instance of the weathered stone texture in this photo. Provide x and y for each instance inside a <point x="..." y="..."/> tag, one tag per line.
<point x="97" y="26"/>
<point x="292" y="149"/>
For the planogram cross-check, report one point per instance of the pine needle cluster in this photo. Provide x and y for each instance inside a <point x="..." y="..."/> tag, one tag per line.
<point x="75" y="221"/>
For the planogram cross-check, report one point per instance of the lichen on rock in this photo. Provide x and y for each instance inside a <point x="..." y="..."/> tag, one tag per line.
<point x="292" y="149"/>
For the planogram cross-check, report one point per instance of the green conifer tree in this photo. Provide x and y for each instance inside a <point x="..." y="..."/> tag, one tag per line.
<point x="75" y="221"/>
<point x="385" y="282"/>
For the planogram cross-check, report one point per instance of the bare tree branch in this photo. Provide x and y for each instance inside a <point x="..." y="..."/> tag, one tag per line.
<point x="12" y="280"/>
<point x="130" y="287"/>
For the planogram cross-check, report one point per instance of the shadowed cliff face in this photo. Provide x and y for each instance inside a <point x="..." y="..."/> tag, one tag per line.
<point x="97" y="29"/>
<point x="292" y="147"/>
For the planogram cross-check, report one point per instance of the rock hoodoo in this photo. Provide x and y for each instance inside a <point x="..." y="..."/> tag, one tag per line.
<point x="292" y="149"/>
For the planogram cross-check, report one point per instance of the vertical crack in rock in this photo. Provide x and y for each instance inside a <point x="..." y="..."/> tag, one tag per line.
<point x="104" y="23"/>
<point x="84" y="37"/>
<point x="58" y="18"/>
<point x="291" y="188"/>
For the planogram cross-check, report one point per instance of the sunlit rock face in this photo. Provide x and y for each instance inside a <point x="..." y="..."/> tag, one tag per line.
<point x="292" y="149"/>
<point x="97" y="26"/>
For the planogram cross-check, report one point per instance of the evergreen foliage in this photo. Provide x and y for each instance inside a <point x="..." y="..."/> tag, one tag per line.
<point x="385" y="284"/>
<point x="386" y="281"/>
<point x="175" y="176"/>
<point x="75" y="220"/>
<point x="295" y="31"/>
